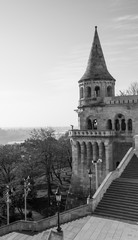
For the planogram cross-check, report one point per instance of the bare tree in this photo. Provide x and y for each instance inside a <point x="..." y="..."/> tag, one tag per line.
<point x="132" y="90"/>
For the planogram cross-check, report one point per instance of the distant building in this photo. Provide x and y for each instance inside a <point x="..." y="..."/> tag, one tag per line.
<point x="107" y="123"/>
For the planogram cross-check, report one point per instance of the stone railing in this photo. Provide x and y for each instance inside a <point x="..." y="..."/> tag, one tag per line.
<point x="128" y="99"/>
<point x="46" y="223"/>
<point x="80" y="133"/>
<point x="126" y="159"/>
<point x="110" y="177"/>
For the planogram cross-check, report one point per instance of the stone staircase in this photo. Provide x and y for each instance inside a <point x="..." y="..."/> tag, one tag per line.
<point x="121" y="198"/>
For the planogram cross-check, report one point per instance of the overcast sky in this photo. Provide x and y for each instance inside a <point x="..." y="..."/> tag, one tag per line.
<point x="44" y="48"/>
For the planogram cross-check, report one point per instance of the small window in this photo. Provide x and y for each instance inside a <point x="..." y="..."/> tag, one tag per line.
<point x="117" y="125"/>
<point x="95" y="124"/>
<point x="109" y="91"/>
<point x="109" y="124"/>
<point x="81" y="92"/>
<point x="123" y="125"/>
<point x="89" y="124"/>
<point x="97" y="91"/>
<point x="88" y="91"/>
<point x="129" y="124"/>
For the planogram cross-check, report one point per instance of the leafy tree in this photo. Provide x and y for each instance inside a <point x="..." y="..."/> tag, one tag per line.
<point x="10" y="174"/>
<point x="46" y="150"/>
<point x="9" y="155"/>
<point x="64" y="141"/>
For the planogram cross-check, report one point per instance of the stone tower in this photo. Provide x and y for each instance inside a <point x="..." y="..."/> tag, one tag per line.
<point x="106" y="122"/>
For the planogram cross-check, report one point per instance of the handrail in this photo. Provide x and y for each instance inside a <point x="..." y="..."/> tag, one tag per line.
<point x="122" y="165"/>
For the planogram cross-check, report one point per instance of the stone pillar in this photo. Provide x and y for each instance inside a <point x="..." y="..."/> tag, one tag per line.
<point x="109" y="157"/>
<point x="89" y="155"/>
<point x="101" y="151"/>
<point x="75" y="160"/>
<point x="136" y="144"/>
<point x="95" y="155"/>
<point x="126" y="121"/>
<point x="135" y="127"/>
<point x="101" y="157"/>
<point x="82" y="152"/>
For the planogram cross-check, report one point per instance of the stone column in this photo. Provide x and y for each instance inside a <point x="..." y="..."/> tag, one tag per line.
<point x="108" y="157"/>
<point x="95" y="154"/>
<point x="89" y="155"/>
<point x="100" y="151"/>
<point x="83" y="152"/>
<point x="75" y="157"/>
<point x="136" y="144"/>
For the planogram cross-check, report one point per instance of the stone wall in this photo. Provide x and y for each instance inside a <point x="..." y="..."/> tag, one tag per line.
<point x="119" y="151"/>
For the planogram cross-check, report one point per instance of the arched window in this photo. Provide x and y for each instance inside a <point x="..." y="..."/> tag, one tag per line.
<point x="123" y="125"/>
<point x="88" y="91"/>
<point x="109" y="124"/>
<point x="120" y="123"/>
<point x="109" y="91"/>
<point x="129" y="124"/>
<point x="95" y="124"/>
<point x="97" y="91"/>
<point x="117" y="125"/>
<point x="81" y="92"/>
<point x="89" y="124"/>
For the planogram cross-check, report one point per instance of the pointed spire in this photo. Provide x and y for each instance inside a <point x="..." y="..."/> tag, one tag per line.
<point x="96" y="67"/>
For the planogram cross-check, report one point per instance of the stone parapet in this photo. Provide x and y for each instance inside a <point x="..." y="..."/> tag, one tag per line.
<point x="81" y="133"/>
<point x="130" y="99"/>
<point x="46" y="223"/>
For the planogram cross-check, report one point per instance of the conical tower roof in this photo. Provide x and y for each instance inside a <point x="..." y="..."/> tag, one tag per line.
<point x="96" y="67"/>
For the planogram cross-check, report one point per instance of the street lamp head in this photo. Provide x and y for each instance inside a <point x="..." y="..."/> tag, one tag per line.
<point x="58" y="195"/>
<point x="99" y="160"/>
<point x="94" y="161"/>
<point x="90" y="173"/>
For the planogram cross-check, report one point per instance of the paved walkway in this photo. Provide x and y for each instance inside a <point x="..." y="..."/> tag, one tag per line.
<point x="101" y="229"/>
<point x="88" y="228"/>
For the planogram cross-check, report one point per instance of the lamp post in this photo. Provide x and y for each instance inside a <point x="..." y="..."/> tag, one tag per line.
<point x="9" y="193"/>
<point x="26" y="190"/>
<point x="7" y="202"/>
<point x="58" y="199"/>
<point x="95" y="162"/>
<point x="90" y="177"/>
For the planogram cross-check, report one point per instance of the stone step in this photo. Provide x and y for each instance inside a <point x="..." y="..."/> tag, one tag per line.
<point x="118" y="208"/>
<point x="121" y="202"/>
<point x="117" y="216"/>
<point x="122" y="189"/>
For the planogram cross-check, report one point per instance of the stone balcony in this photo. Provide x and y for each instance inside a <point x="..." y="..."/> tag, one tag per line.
<point x="94" y="133"/>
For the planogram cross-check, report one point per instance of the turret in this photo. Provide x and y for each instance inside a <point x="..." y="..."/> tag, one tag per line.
<point x="97" y="82"/>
